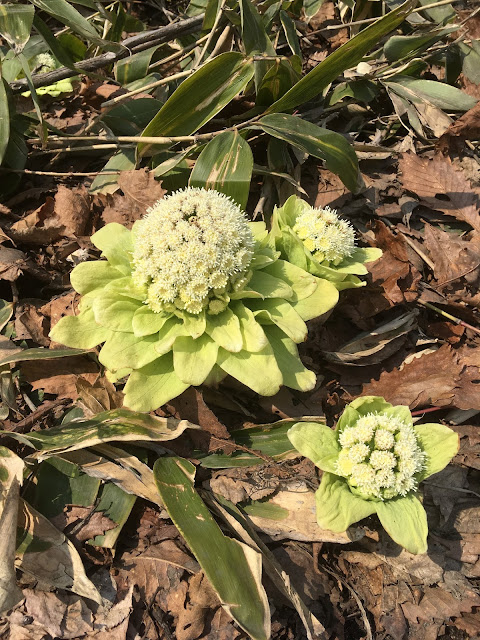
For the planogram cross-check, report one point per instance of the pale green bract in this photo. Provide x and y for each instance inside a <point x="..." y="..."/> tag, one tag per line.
<point x="373" y="462"/>
<point x="320" y="242"/>
<point x="193" y="293"/>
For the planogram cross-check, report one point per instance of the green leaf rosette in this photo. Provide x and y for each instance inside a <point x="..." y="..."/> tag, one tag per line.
<point x="320" y="242"/>
<point x="373" y="462"/>
<point x="194" y="292"/>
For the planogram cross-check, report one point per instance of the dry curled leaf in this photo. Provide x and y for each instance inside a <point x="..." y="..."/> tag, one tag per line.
<point x="453" y="257"/>
<point x="441" y="187"/>
<point x="467" y="127"/>
<point x="140" y="191"/>
<point x="438" y="372"/>
<point x="394" y="271"/>
<point x="66" y="215"/>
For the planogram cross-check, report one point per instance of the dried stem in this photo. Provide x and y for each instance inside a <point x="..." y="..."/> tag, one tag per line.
<point x="130" y="45"/>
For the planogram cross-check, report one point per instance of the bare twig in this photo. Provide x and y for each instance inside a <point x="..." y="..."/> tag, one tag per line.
<point x="147" y="87"/>
<point x="60" y="174"/>
<point x="130" y="45"/>
<point x="346" y="25"/>
<point x="449" y="316"/>
<point x="112" y="142"/>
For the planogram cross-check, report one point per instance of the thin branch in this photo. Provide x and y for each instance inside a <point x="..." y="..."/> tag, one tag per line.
<point x="117" y="140"/>
<point x="346" y="25"/>
<point x="147" y="87"/>
<point x="130" y="45"/>
<point x="204" y="50"/>
<point x="178" y="55"/>
<point x="60" y="174"/>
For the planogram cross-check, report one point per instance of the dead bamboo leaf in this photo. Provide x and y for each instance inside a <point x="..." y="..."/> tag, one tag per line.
<point x="11" y="476"/>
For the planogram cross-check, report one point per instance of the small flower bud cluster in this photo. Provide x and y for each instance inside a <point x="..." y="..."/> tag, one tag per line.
<point x="380" y="456"/>
<point x="192" y="249"/>
<point x="325" y="235"/>
<point x="46" y="62"/>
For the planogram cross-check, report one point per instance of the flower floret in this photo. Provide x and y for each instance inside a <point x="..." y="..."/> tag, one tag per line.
<point x="384" y="439"/>
<point x="325" y="235"/>
<point x="190" y="249"/>
<point x="380" y="456"/>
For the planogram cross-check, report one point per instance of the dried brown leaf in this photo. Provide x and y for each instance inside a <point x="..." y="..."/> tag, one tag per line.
<point x="394" y="271"/>
<point x="12" y="263"/>
<point x="452" y="256"/>
<point x="72" y="209"/>
<point x="437" y="604"/>
<point x="140" y="191"/>
<point x="66" y="215"/>
<point x="428" y="379"/>
<point x="467" y="127"/>
<point x="59" y="377"/>
<point x="440" y="187"/>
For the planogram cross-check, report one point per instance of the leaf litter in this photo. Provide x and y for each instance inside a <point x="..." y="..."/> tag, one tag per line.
<point x="422" y="210"/>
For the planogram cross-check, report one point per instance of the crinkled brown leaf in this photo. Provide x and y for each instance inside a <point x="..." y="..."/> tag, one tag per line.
<point x="59" y="377"/>
<point x="452" y="256"/>
<point x="140" y="191"/>
<point x="440" y="186"/>
<point x="467" y="127"/>
<point x="12" y="263"/>
<point x="425" y="380"/>
<point x="445" y="377"/>
<point x="394" y="271"/>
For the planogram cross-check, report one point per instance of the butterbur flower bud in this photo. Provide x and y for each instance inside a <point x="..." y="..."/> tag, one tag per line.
<point x="46" y="62"/>
<point x="378" y="438"/>
<point x="325" y="235"/>
<point x="191" y="249"/>
<point x="321" y="242"/>
<point x="373" y="462"/>
<point x="194" y="293"/>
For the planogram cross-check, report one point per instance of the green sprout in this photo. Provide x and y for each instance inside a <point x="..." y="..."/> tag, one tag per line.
<point x="320" y="242"/>
<point x="193" y="293"/>
<point x="373" y="462"/>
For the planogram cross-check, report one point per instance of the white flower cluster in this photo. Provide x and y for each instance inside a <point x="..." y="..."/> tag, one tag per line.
<point x="325" y="235"/>
<point x="46" y="62"/>
<point x="380" y="456"/>
<point x="192" y="249"/>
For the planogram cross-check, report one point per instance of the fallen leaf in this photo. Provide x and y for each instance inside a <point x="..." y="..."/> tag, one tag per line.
<point x="375" y="346"/>
<point x="83" y="523"/>
<point x="97" y="397"/>
<point x="11" y="467"/>
<point x="40" y="227"/>
<point x="12" y="263"/>
<point x="30" y="324"/>
<point x="440" y="187"/>
<point x="46" y="554"/>
<point x="300" y="522"/>
<point x="191" y="406"/>
<point x="452" y="256"/>
<point x="438" y="372"/>
<point x="140" y="191"/>
<point x="59" y="377"/>
<point x="393" y="271"/>
<point x="62" y="616"/>
<point x="437" y="604"/>
<point x="331" y="190"/>
<point x="66" y="215"/>
<point x="72" y="209"/>
<point x="467" y="127"/>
